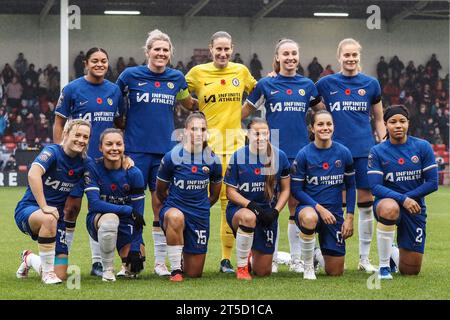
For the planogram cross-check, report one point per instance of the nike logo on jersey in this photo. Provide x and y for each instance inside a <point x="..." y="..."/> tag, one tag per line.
<point x="274" y="92"/>
<point x="208" y="83"/>
<point x="333" y="92"/>
<point x="140" y="84"/>
<point x="82" y="103"/>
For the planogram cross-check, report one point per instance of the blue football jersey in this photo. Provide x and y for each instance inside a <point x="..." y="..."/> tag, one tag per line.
<point x="402" y="166"/>
<point x="118" y="191"/>
<point x="246" y="173"/>
<point x="151" y="101"/>
<point x="349" y="99"/>
<point x="189" y="176"/>
<point x="322" y="173"/>
<point x="62" y="173"/>
<point x="97" y="103"/>
<point x="286" y="100"/>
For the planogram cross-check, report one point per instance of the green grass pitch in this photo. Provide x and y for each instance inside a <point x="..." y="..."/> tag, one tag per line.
<point x="432" y="283"/>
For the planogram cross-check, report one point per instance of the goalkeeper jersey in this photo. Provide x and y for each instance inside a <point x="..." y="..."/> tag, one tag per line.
<point x="220" y="94"/>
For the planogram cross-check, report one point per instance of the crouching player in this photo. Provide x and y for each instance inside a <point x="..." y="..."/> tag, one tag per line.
<point x="402" y="171"/>
<point x="52" y="176"/>
<point x="116" y="205"/>
<point x="182" y="187"/>
<point x="319" y="173"/>
<point x="257" y="180"/>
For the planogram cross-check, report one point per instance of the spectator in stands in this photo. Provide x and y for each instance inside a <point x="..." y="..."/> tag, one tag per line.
<point x="54" y="78"/>
<point x="43" y="127"/>
<point x="314" y="69"/>
<point x="120" y="65"/>
<point x="391" y="92"/>
<point x="14" y="93"/>
<point x="434" y="66"/>
<point x="23" y="145"/>
<point x="411" y="69"/>
<point x="421" y="122"/>
<point x="191" y="64"/>
<point x="441" y="121"/>
<point x="10" y="164"/>
<point x="78" y="65"/>
<point x="21" y="64"/>
<point x="180" y="67"/>
<point x="30" y="94"/>
<point x="256" y="67"/>
<point x="382" y="69"/>
<point x="238" y="59"/>
<point x="396" y="66"/>
<point x="43" y="81"/>
<point x="31" y="74"/>
<point x="428" y="130"/>
<point x="300" y="69"/>
<point x="30" y="127"/>
<point x="7" y="73"/>
<point x="131" y="62"/>
<point x="328" y="70"/>
<point x="3" y="121"/>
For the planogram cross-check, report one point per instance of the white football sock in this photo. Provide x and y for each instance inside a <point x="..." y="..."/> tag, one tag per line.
<point x="294" y="241"/>
<point x="107" y="239"/>
<point x="160" y="245"/>
<point x="35" y="262"/>
<point x="174" y="253"/>
<point x="307" y="243"/>
<point x="47" y="261"/>
<point x="244" y="241"/>
<point x="395" y="255"/>
<point x="385" y="238"/>
<point x="70" y="231"/>
<point x="365" y="223"/>
<point x="319" y="257"/>
<point x="95" y="251"/>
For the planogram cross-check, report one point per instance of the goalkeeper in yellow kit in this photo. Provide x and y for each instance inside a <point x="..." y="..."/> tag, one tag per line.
<point x="219" y="86"/>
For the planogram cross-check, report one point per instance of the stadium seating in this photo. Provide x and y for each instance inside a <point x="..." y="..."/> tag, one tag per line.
<point x="8" y="139"/>
<point x="10" y="146"/>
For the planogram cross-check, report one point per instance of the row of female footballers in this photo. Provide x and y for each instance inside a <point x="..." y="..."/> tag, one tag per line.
<point x="287" y="98"/>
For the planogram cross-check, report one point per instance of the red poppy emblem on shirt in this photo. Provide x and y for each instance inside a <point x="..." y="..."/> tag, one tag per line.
<point x="257" y="171"/>
<point x="325" y="166"/>
<point x="157" y="84"/>
<point x="223" y="82"/>
<point x="401" y="161"/>
<point x="194" y="169"/>
<point x="289" y="91"/>
<point x="113" y="187"/>
<point x="71" y="172"/>
<point x="347" y="92"/>
<point x="99" y="100"/>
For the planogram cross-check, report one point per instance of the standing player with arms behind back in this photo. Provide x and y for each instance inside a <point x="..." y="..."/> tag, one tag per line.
<point x="287" y="98"/>
<point x="350" y="96"/>
<point x="99" y="101"/>
<point x="402" y="171"/>
<point x="153" y="91"/>
<point x="219" y="86"/>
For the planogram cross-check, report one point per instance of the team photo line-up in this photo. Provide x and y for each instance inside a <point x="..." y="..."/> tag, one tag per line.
<point x="314" y="151"/>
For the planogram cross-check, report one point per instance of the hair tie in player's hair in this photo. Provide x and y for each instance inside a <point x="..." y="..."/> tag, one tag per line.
<point x="393" y="110"/>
